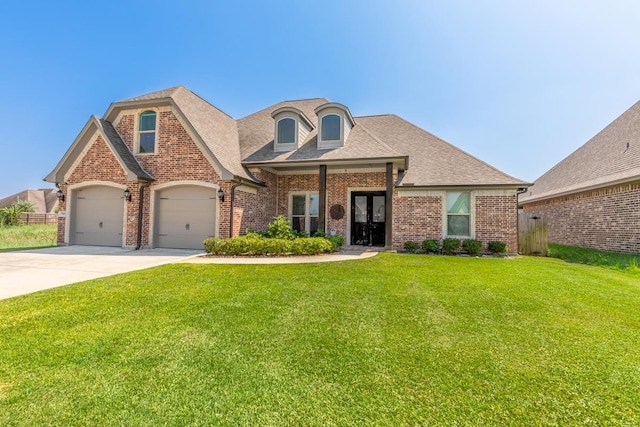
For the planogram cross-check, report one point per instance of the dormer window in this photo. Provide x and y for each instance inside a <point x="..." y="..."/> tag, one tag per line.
<point x="291" y="128"/>
<point x="147" y="132"/>
<point x="336" y="123"/>
<point x="286" y="131"/>
<point x="330" y="128"/>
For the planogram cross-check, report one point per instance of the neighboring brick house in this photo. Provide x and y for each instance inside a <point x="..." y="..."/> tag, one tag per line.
<point x="592" y="198"/>
<point x="190" y="171"/>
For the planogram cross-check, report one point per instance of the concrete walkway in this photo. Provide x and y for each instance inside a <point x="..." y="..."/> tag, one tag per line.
<point x="24" y="272"/>
<point x="342" y="256"/>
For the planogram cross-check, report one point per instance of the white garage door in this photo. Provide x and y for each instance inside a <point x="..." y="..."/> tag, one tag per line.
<point x="98" y="218"/>
<point x="185" y="216"/>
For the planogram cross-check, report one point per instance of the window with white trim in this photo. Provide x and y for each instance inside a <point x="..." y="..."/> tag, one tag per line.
<point x="304" y="212"/>
<point x="147" y="132"/>
<point x="330" y="128"/>
<point x="286" y="131"/>
<point x="459" y="214"/>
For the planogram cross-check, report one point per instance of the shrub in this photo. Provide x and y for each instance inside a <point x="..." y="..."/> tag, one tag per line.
<point x="410" y="246"/>
<point x="244" y="245"/>
<point x="337" y="241"/>
<point x="11" y="214"/>
<point x="319" y="233"/>
<point x="472" y="246"/>
<point x="450" y="246"/>
<point x="497" y="247"/>
<point x="280" y="228"/>
<point x="430" y="246"/>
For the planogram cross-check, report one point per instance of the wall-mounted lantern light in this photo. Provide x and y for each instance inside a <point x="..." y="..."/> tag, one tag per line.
<point x="221" y="194"/>
<point x="59" y="195"/>
<point x="127" y="195"/>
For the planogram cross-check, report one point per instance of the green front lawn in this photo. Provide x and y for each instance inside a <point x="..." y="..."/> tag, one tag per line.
<point x="19" y="237"/>
<point x="393" y="340"/>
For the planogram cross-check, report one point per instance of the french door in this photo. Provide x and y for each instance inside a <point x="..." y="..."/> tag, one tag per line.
<point x="368" y="218"/>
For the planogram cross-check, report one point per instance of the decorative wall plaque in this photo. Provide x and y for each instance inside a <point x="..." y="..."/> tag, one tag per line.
<point x="336" y="212"/>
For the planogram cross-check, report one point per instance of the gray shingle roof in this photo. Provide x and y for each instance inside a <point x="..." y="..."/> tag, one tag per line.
<point x="217" y="130"/>
<point x="432" y="161"/>
<point x="612" y="156"/>
<point x="43" y="200"/>
<point x="123" y="151"/>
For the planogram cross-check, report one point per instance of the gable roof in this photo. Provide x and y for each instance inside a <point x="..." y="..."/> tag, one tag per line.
<point x="232" y="146"/>
<point x="120" y="150"/>
<point x="43" y="200"/>
<point x="610" y="157"/>
<point x="217" y="131"/>
<point x="431" y="161"/>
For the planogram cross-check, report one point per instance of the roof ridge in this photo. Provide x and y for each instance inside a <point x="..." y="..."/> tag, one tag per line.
<point x="204" y="100"/>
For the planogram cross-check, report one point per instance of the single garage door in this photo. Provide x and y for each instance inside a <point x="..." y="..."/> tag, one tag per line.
<point x="185" y="216"/>
<point x="98" y="218"/>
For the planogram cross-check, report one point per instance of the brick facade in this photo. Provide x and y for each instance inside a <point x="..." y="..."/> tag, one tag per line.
<point x="496" y="218"/>
<point x="420" y="217"/>
<point x="607" y="219"/>
<point x="178" y="159"/>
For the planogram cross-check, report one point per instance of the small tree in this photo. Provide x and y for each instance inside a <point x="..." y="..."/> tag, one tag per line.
<point x="11" y="214"/>
<point x="280" y="228"/>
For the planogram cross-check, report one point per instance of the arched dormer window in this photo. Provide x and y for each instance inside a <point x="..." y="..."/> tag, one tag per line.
<point x="147" y="132"/>
<point x="286" y="131"/>
<point x="291" y="128"/>
<point x="330" y="127"/>
<point x="336" y="123"/>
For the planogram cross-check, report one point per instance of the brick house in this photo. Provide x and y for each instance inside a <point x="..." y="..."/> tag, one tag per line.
<point x="592" y="198"/>
<point x="168" y="169"/>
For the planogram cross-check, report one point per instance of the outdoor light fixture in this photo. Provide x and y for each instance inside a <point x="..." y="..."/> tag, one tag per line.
<point x="127" y="195"/>
<point x="59" y="195"/>
<point x="221" y="194"/>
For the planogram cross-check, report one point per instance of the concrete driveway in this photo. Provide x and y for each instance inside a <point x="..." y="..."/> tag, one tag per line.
<point x="23" y="272"/>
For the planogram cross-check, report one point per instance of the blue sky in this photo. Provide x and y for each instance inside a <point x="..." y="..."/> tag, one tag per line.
<point x="519" y="85"/>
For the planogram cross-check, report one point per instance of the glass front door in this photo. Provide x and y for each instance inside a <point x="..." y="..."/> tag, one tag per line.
<point x="368" y="218"/>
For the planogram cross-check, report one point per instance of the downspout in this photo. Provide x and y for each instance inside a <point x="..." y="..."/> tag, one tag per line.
<point x="140" y="207"/>
<point x="519" y="191"/>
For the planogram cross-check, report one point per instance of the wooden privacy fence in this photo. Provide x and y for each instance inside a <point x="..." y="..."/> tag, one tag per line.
<point x="532" y="234"/>
<point x="39" y="218"/>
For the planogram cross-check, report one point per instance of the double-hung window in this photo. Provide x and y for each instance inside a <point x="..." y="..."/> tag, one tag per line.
<point x="147" y="132"/>
<point x="459" y="214"/>
<point x="304" y="212"/>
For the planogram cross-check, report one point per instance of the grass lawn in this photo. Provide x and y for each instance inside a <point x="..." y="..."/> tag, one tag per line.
<point x="27" y="237"/>
<point x="628" y="262"/>
<point x="393" y="340"/>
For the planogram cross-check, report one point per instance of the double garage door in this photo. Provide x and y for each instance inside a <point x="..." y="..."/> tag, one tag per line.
<point x="184" y="216"/>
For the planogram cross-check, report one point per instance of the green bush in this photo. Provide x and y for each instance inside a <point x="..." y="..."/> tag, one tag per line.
<point x="337" y="241"/>
<point x="410" y="246"/>
<point x="11" y="214"/>
<point x="450" y="246"/>
<point x="472" y="247"/>
<point x="497" y="247"/>
<point x="430" y="246"/>
<point x="280" y="228"/>
<point x="244" y="245"/>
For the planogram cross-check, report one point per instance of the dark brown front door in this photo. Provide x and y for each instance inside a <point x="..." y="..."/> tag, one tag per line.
<point x="368" y="218"/>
